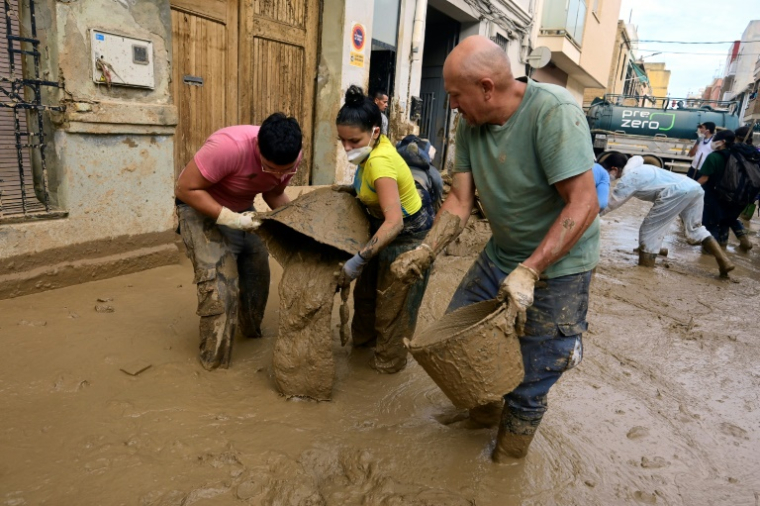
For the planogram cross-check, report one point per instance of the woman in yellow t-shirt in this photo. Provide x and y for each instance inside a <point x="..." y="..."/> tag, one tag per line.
<point x="400" y="214"/>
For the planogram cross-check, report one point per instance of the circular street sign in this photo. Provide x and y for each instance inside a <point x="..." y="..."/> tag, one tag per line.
<point x="358" y="37"/>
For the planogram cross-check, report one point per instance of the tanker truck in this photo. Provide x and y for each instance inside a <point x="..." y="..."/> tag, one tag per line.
<point x="660" y="129"/>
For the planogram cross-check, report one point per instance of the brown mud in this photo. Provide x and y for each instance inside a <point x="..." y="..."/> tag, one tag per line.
<point x="662" y="410"/>
<point x="308" y="238"/>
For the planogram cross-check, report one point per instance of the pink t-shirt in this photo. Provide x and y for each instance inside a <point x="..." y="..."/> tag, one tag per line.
<point x="230" y="160"/>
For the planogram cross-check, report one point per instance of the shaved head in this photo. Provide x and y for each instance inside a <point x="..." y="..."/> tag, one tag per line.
<point x="478" y="77"/>
<point x="477" y="58"/>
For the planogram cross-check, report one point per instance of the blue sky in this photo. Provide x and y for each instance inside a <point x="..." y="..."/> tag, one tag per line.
<point x="689" y="20"/>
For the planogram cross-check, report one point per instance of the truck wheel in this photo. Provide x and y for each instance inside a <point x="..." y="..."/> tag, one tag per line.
<point x="653" y="160"/>
<point x="603" y="156"/>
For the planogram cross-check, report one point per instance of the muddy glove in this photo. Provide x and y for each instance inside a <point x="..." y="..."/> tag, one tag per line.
<point x="412" y="264"/>
<point x="518" y="288"/>
<point x="351" y="270"/>
<point x="238" y="221"/>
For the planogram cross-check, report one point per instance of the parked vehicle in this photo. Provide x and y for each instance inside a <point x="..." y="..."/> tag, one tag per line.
<point x="660" y="129"/>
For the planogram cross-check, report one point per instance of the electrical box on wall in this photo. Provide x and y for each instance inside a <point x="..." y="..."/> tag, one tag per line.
<point x="121" y="61"/>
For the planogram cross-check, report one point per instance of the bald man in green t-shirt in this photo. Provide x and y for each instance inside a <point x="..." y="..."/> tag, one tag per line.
<point x="526" y="148"/>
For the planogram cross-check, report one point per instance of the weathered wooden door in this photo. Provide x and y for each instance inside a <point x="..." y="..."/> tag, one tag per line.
<point x="278" y="65"/>
<point x="205" y="60"/>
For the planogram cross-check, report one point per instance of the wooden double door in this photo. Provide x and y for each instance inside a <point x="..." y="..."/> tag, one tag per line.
<point x="237" y="62"/>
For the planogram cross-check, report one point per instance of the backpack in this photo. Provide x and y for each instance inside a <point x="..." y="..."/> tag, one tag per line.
<point x="740" y="183"/>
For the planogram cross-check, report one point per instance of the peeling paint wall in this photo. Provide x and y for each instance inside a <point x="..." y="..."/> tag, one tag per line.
<point x="335" y="75"/>
<point x="111" y="154"/>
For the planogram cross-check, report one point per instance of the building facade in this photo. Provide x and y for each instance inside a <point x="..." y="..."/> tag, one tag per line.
<point x="130" y="89"/>
<point x="581" y="36"/>
<point x="626" y="77"/>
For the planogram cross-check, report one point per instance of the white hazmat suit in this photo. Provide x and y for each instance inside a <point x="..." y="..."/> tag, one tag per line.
<point x="672" y="194"/>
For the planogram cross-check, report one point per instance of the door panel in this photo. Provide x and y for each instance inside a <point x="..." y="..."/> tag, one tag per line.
<point x="278" y="65"/>
<point x="204" y="50"/>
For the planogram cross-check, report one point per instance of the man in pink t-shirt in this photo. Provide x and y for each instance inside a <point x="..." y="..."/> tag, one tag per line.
<point x="214" y="197"/>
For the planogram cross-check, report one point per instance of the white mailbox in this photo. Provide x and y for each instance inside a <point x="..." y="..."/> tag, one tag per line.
<point x="122" y="61"/>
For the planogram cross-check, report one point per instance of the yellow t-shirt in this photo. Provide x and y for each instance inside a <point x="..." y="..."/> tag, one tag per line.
<point x="384" y="161"/>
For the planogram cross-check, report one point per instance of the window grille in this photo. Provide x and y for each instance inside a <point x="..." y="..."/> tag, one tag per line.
<point x="23" y="166"/>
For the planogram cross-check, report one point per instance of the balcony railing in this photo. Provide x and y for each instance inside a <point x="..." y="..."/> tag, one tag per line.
<point x="564" y="17"/>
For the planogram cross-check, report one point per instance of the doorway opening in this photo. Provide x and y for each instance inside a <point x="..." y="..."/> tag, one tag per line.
<point x="441" y="35"/>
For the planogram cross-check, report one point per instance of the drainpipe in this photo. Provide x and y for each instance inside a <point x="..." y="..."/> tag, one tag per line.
<point x="418" y="32"/>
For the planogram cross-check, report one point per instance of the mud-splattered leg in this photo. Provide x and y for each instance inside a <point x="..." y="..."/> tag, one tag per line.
<point x="397" y="307"/>
<point x="253" y="267"/>
<point x="363" y="332"/>
<point x="215" y="269"/>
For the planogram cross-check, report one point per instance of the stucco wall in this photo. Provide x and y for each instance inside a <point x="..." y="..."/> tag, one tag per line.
<point x="110" y="157"/>
<point x="599" y="40"/>
<point x="335" y="75"/>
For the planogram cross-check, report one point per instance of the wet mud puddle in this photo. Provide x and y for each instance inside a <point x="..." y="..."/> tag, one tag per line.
<point x="662" y="410"/>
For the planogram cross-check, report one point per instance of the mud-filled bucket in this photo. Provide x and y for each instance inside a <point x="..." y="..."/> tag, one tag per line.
<point x="471" y="354"/>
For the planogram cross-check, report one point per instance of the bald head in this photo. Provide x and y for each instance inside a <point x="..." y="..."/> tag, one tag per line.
<point x="477" y="58"/>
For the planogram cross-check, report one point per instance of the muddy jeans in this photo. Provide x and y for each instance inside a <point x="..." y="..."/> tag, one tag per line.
<point x="232" y="274"/>
<point x="552" y="343"/>
<point x="385" y="311"/>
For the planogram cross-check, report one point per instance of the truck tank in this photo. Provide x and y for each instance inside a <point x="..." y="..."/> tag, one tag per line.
<point x="662" y="132"/>
<point x="678" y="123"/>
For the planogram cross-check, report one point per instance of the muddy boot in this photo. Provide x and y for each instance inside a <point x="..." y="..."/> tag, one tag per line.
<point x="510" y="445"/>
<point x="514" y="437"/>
<point x="724" y="264"/>
<point x="647" y="259"/>
<point x="744" y="243"/>
<point x="487" y="415"/>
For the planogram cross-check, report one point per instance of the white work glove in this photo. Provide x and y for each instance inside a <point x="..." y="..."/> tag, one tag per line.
<point x="517" y="289"/>
<point x="246" y="222"/>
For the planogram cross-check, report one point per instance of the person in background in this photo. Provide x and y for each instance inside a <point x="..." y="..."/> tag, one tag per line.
<point x="384" y="313"/>
<point x="719" y="216"/>
<point x="214" y="197"/>
<point x="418" y="155"/>
<point x="602" y="182"/>
<point x="701" y="147"/>
<point x="673" y="195"/>
<point x="744" y="135"/>
<point x="380" y="97"/>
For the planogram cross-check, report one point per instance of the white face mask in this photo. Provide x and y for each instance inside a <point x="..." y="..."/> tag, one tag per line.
<point x="358" y="155"/>
<point x="612" y="178"/>
<point x="716" y="145"/>
<point x="701" y="135"/>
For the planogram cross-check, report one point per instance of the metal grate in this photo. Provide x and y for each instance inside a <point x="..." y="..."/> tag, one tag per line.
<point x="426" y="117"/>
<point x="23" y="168"/>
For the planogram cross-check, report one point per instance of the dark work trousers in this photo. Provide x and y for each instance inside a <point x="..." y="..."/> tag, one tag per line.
<point x="232" y="277"/>
<point x="720" y="217"/>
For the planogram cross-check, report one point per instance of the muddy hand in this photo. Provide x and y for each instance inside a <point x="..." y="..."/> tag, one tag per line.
<point x="518" y="289"/>
<point x="411" y="265"/>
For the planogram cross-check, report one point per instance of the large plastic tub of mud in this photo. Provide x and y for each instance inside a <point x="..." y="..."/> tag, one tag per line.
<point x="471" y="354"/>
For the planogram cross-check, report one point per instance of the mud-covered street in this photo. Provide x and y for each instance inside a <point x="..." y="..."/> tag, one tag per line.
<point x="662" y="410"/>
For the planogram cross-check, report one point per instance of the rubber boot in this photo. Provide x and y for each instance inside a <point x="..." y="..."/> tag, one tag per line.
<point x="647" y="259"/>
<point x="724" y="264"/>
<point x="744" y="243"/>
<point x="514" y="436"/>
<point x="510" y="445"/>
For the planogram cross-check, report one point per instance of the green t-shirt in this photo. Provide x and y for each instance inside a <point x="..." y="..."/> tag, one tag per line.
<point x="714" y="166"/>
<point x="515" y="166"/>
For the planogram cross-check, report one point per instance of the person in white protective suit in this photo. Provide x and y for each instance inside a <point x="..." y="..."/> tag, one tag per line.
<point x="673" y="195"/>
